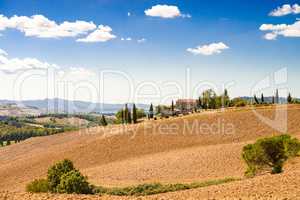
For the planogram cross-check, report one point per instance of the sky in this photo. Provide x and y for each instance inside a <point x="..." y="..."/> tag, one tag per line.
<point x="143" y="51"/>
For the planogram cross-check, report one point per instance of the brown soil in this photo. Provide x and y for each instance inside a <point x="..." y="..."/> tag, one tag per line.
<point x="167" y="151"/>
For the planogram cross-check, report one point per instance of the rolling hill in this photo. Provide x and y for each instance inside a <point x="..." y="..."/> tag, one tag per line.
<point x="167" y="151"/>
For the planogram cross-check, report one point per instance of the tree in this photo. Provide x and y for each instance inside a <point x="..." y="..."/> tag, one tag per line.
<point x="126" y="114"/>
<point x="172" y="107"/>
<point x="225" y="98"/>
<point x="134" y="114"/>
<point x="73" y="182"/>
<point x="129" y="119"/>
<point x="151" y="111"/>
<point x="56" y="171"/>
<point x="256" y="100"/>
<point x="289" y="98"/>
<point x="276" y="96"/>
<point x="270" y="153"/>
<point x="103" y="121"/>
<point x="262" y="98"/>
<point x="199" y="103"/>
<point x="273" y="99"/>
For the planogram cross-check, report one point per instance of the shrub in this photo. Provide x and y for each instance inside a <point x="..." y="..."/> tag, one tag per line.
<point x="270" y="153"/>
<point x="74" y="182"/>
<point x="38" y="186"/>
<point x="57" y="171"/>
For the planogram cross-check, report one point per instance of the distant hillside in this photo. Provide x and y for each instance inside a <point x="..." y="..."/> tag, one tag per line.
<point x="61" y="105"/>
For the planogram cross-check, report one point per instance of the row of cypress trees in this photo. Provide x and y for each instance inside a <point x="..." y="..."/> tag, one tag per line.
<point x="275" y="99"/>
<point x="129" y="116"/>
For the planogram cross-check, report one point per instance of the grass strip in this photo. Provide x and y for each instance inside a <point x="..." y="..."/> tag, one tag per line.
<point x="157" y="188"/>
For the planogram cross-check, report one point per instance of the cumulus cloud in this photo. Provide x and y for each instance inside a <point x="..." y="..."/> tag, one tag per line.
<point x="15" y="65"/>
<point x="41" y="27"/>
<point x="102" y="34"/>
<point x="210" y="49"/>
<point x="12" y="65"/>
<point x="165" y="11"/>
<point x="285" y="30"/>
<point x="286" y="9"/>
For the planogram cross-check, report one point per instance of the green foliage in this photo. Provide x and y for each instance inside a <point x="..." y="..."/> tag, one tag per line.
<point x="103" y="121"/>
<point x="256" y="100"/>
<point x="151" y="111"/>
<point x="57" y="171"/>
<point x="270" y="153"/>
<point x="134" y="114"/>
<point x="157" y="188"/>
<point x="210" y="100"/>
<point x="238" y="102"/>
<point x="289" y="98"/>
<point x="38" y="186"/>
<point x="73" y="182"/>
<point x="62" y="178"/>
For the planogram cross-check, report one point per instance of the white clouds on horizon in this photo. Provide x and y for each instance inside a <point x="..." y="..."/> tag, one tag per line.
<point x="285" y="9"/>
<point x="165" y="11"/>
<point x="102" y="34"/>
<point x="15" y="65"/>
<point x="41" y="27"/>
<point x="12" y="65"/>
<point x="210" y="49"/>
<point x="285" y="30"/>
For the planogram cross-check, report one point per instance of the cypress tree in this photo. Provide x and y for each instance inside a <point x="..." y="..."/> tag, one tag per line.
<point x="256" y="100"/>
<point x="126" y="114"/>
<point x="122" y="116"/>
<point x="151" y="111"/>
<point x="172" y="107"/>
<point x="262" y="98"/>
<point x="134" y="114"/>
<point x="273" y="99"/>
<point x="276" y="96"/>
<point x="103" y="121"/>
<point x="199" y="103"/>
<point x="129" y="121"/>
<point x="289" y="98"/>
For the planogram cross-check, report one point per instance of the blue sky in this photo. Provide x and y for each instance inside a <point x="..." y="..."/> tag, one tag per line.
<point x="162" y="56"/>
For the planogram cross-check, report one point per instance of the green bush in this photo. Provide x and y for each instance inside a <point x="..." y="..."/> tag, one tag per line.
<point x="57" y="171"/>
<point x="270" y="153"/>
<point x="74" y="182"/>
<point x="38" y="186"/>
<point x="157" y="188"/>
<point x="62" y="178"/>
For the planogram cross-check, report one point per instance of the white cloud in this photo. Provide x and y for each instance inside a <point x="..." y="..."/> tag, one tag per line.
<point x="270" y="36"/>
<point x="286" y="9"/>
<point x="165" y="11"/>
<point x="126" y="39"/>
<point x="210" y="49"/>
<point x="3" y="53"/>
<point x="142" y="40"/>
<point x="285" y="30"/>
<point x="102" y="34"/>
<point x="41" y="27"/>
<point x="12" y="65"/>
